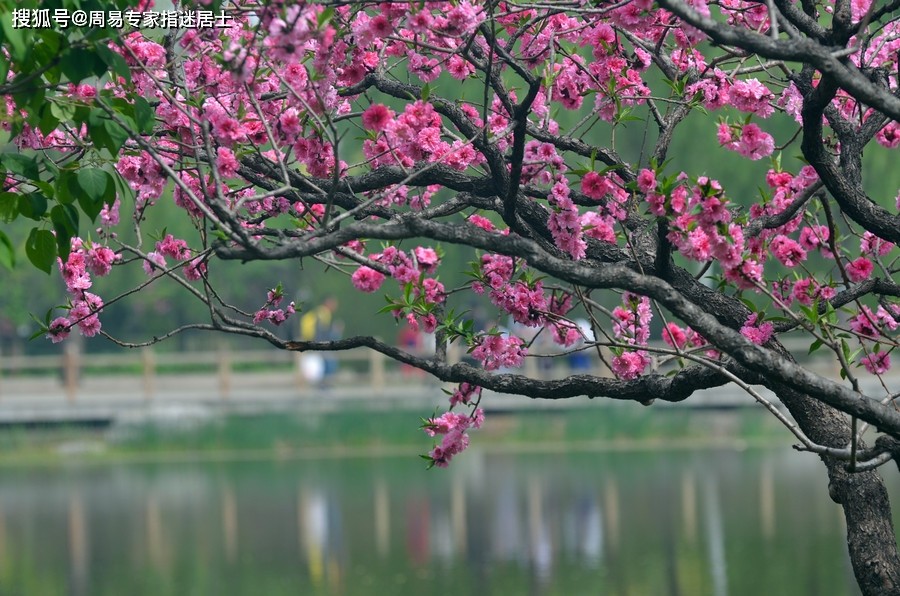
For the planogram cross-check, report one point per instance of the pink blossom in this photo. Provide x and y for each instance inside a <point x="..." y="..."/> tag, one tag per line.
<point x="814" y="237"/>
<point x="646" y="180"/>
<point x="377" y="117"/>
<point x="595" y="186"/>
<point x="675" y="336"/>
<point x="172" y="247"/>
<point x="803" y="291"/>
<point x="789" y="252"/>
<point x="58" y="330"/>
<point x="433" y="290"/>
<point x="74" y="272"/>
<point x="464" y="394"/>
<point x="877" y="363"/>
<point x="482" y="222"/>
<point x="109" y="215"/>
<point x="599" y="227"/>
<point x="751" y="96"/>
<point x="427" y="258"/>
<point x="459" y="68"/>
<point x="195" y="269"/>
<point x="84" y="314"/>
<point x="888" y="319"/>
<point x="495" y="351"/>
<point x="864" y="323"/>
<point x="100" y="260"/>
<point x="630" y="364"/>
<point x="754" y="143"/>
<point x="757" y="333"/>
<point x="859" y="269"/>
<point x="227" y="163"/>
<point x="631" y="321"/>
<point x="889" y="136"/>
<point x="153" y="261"/>
<point x="453" y="427"/>
<point x="792" y="102"/>
<point x="462" y="19"/>
<point x="380" y="26"/>
<point x="725" y="136"/>
<point x="366" y="279"/>
<point x="871" y="243"/>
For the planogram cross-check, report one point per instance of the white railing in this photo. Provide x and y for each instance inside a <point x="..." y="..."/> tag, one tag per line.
<point x="144" y="367"/>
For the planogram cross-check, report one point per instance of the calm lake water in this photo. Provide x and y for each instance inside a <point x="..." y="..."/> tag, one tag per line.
<point x="690" y="523"/>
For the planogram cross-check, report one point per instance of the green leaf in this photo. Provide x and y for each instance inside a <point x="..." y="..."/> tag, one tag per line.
<point x="78" y="64"/>
<point x="144" y="115"/>
<point x="65" y="193"/>
<point x="96" y="186"/>
<point x="325" y="17"/>
<point x="97" y="130"/>
<point x="65" y="223"/>
<point x="115" y="62"/>
<point x="93" y="181"/>
<point x="62" y="111"/>
<point x="117" y="136"/>
<point x="845" y="348"/>
<point x="23" y="165"/>
<point x="65" y="217"/>
<point x="40" y="248"/>
<point x="16" y="38"/>
<point x="815" y="346"/>
<point x="7" y="253"/>
<point x="4" y="68"/>
<point x="33" y="205"/>
<point x="49" y="121"/>
<point x="9" y="206"/>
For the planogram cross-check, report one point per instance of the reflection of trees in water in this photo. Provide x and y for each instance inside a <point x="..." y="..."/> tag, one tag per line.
<point x="547" y="522"/>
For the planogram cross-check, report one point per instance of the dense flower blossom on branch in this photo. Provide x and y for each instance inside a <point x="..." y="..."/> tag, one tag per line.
<point x="383" y="138"/>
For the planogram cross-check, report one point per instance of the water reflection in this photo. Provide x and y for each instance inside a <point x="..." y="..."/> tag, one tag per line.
<point x="689" y="523"/>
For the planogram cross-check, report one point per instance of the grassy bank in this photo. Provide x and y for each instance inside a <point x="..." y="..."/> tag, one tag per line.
<point x="381" y="433"/>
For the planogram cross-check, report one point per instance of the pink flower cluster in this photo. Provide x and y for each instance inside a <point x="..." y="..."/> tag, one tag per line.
<point x="748" y="140"/>
<point x="788" y="251"/>
<point x="174" y="248"/>
<point x="630" y="365"/>
<point x="877" y="363"/>
<point x="539" y="163"/>
<point x="631" y="325"/>
<point x="84" y="260"/>
<point x="804" y="291"/>
<point x="465" y="394"/>
<point x="144" y="175"/>
<point x="564" y="222"/>
<point x="701" y="229"/>
<point x="751" y="96"/>
<point x="758" y="333"/>
<point x="870" y="325"/>
<point x="413" y="136"/>
<point x="496" y="351"/>
<point x="366" y="279"/>
<point x="872" y="244"/>
<point x="631" y="322"/>
<point x="270" y="311"/>
<point x="677" y="337"/>
<point x="859" y="269"/>
<point x="454" y="428"/>
<point x="526" y="303"/>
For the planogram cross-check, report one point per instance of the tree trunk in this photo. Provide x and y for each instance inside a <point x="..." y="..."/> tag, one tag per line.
<point x="867" y="510"/>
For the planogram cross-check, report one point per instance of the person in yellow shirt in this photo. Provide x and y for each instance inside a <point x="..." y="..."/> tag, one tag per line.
<point x="318" y="324"/>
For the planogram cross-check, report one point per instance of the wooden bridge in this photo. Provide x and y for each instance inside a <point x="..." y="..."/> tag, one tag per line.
<point x="138" y="384"/>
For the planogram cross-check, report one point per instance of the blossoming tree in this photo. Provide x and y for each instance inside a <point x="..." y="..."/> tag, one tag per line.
<point x="291" y="129"/>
